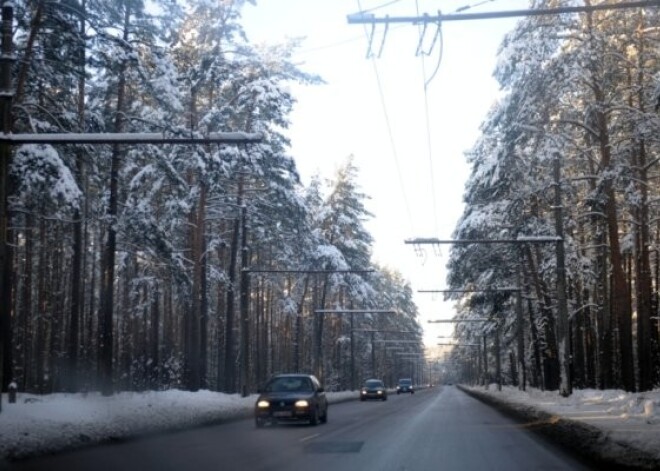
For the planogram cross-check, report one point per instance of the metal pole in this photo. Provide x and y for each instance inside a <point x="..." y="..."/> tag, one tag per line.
<point x="352" y="355"/>
<point x="498" y="359"/>
<point x="6" y="96"/>
<point x="522" y="377"/>
<point x="565" y="387"/>
<point x="373" y="357"/>
<point x="485" y="370"/>
<point x="243" y="299"/>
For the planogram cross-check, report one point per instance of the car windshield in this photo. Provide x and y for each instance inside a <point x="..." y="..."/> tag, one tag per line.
<point x="405" y="382"/>
<point x="289" y="384"/>
<point x="374" y="383"/>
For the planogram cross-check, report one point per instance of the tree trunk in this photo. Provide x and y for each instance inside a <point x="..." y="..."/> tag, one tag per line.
<point x="646" y="350"/>
<point x="73" y="351"/>
<point x="106" y="335"/>
<point x="193" y="358"/>
<point x="230" y="354"/>
<point x="154" y="340"/>
<point x="42" y="310"/>
<point x="550" y="354"/>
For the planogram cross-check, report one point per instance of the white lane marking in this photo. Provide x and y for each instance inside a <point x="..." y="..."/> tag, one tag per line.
<point x="304" y="439"/>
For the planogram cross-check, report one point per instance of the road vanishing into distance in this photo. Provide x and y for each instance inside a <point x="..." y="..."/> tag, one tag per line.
<point x="439" y="428"/>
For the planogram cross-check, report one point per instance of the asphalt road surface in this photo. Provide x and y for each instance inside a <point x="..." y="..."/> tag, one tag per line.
<point x="439" y="428"/>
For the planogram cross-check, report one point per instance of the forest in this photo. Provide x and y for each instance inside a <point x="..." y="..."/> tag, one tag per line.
<point x="571" y="150"/>
<point x="166" y="265"/>
<point x="155" y="266"/>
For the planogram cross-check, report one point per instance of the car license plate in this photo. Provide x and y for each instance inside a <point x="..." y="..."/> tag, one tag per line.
<point x="285" y="413"/>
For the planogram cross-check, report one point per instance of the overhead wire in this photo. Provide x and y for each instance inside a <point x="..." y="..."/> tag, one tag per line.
<point x="428" y="131"/>
<point x="467" y="7"/>
<point x="339" y="43"/>
<point x="378" y="7"/>
<point x="390" y="134"/>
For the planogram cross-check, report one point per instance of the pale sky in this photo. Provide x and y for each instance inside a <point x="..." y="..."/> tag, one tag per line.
<point x="413" y="168"/>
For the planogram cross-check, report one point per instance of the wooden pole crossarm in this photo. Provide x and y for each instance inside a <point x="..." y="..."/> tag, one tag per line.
<point x="486" y="290"/>
<point x="131" y="138"/>
<point x="265" y="270"/>
<point x="458" y="344"/>
<point x="355" y="311"/>
<point x="519" y="240"/>
<point x="366" y="18"/>
<point x="443" y="321"/>
<point x="386" y="331"/>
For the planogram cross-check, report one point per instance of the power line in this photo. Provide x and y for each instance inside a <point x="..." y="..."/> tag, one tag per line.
<point x="391" y="137"/>
<point x="359" y="18"/>
<point x="379" y="6"/>
<point x="428" y="132"/>
<point x="467" y="7"/>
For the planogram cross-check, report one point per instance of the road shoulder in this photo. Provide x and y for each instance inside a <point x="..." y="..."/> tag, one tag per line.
<point x="585" y="440"/>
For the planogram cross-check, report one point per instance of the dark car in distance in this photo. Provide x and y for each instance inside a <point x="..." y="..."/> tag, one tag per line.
<point x="291" y="398"/>
<point x="405" y="386"/>
<point x="373" y="389"/>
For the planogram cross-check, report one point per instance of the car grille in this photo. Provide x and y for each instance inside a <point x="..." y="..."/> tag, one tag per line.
<point x="282" y="404"/>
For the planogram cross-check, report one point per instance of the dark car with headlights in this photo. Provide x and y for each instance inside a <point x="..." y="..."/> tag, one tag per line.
<point x="405" y="386"/>
<point x="291" y="398"/>
<point x="373" y="389"/>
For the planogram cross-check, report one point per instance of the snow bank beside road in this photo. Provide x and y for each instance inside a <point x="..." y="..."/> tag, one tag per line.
<point x="43" y="424"/>
<point x="612" y="426"/>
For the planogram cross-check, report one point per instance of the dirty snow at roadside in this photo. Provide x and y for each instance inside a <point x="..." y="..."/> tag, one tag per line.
<point x="632" y="418"/>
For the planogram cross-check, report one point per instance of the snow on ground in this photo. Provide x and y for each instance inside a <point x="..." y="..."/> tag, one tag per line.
<point x="629" y="419"/>
<point x="41" y="424"/>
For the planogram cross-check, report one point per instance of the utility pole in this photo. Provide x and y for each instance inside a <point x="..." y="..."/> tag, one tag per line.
<point x="6" y="97"/>
<point x="519" y="328"/>
<point x="496" y="342"/>
<point x="319" y="314"/>
<point x="352" y="353"/>
<point x="373" y="356"/>
<point x="498" y="355"/>
<point x="565" y="386"/>
<point x="522" y="373"/>
<point x="243" y="300"/>
<point x="372" y="332"/>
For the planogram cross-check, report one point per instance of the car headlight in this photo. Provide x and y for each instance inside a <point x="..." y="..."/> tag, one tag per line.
<point x="302" y="403"/>
<point x="380" y="392"/>
<point x="263" y="404"/>
<point x="364" y="391"/>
